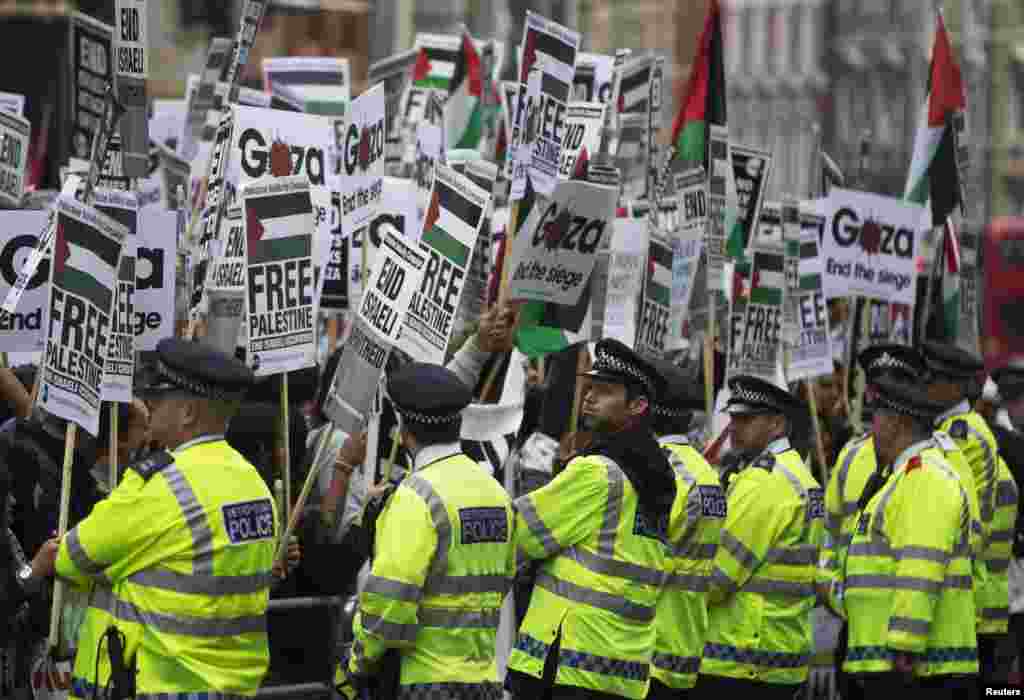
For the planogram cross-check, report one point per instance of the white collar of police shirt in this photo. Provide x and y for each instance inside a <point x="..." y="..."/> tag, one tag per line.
<point x="426" y="456"/>
<point x="962" y="407"/>
<point x="901" y="462"/>
<point x="209" y="437"/>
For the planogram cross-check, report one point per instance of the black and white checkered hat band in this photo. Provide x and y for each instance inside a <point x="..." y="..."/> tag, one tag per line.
<point x="606" y="362"/>
<point x="887" y="361"/>
<point x="665" y="412"/>
<point x="750" y="396"/>
<point x="881" y="401"/>
<point x="425" y="419"/>
<point x="191" y="385"/>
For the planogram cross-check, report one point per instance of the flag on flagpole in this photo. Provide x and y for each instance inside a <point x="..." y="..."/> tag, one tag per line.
<point x="704" y="100"/>
<point x="463" y="112"/>
<point x="933" y="171"/>
<point x="951" y="282"/>
<point x="434" y="68"/>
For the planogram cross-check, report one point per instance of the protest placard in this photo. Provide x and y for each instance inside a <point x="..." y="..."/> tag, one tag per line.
<point x="685" y="232"/>
<point x="554" y="253"/>
<point x="210" y="211"/>
<point x="363" y="163"/>
<point x="228" y="266"/>
<point x="395" y="72"/>
<point x="15" y="132"/>
<point x="812" y="352"/>
<point x="362" y="362"/>
<point x="200" y="102"/>
<point x="738" y="279"/>
<point x="325" y="220"/>
<point x="323" y="83"/>
<point x="90" y="72"/>
<point x="869" y="245"/>
<point x="119" y="369"/>
<point x="394" y="278"/>
<point x="546" y="73"/>
<point x="280" y="318"/>
<point x="626" y="268"/>
<point x="653" y="330"/>
<point x="13" y="103"/>
<point x="83" y="276"/>
<point x="427" y="153"/>
<point x="790" y="215"/>
<point x="474" y="287"/>
<point x="594" y="76"/>
<point x="715" y="238"/>
<point x="450" y="231"/>
<point x="131" y="70"/>
<point x="334" y="294"/>
<point x="583" y="124"/>
<point x="273" y="143"/>
<point x="762" y="323"/>
<point x="631" y="154"/>
<point x="751" y="168"/>
<point x="155" y="259"/>
<point x="21" y="331"/>
<point x="397" y="213"/>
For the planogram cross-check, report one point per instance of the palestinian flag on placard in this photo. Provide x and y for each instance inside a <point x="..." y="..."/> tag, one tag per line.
<point x="704" y="99"/>
<point x="933" y="168"/>
<point x="85" y="262"/>
<point x="812" y="282"/>
<point x="635" y="86"/>
<point x="768" y="282"/>
<point x="544" y="327"/>
<point x="659" y="274"/>
<point x="550" y="45"/>
<point x="463" y="112"/>
<point x="279" y="227"/>
<point x="441" y="222"/>
<point x="434" y="68"/>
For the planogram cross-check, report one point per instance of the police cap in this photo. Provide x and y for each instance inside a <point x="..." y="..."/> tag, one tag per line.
<point x="428" y="394"/>
<point x="198" y="369"/>
<point x="906" y="397"/>
<point x="901" y="360"/>
<point x="751" y="395"/>
<point x="681" y="395"/>
<point x="1010" y="380"/>
<point x="946" y="360"/>
<point x="616" y="362"/>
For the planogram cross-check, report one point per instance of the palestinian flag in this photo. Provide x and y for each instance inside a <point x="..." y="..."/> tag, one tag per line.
<point x="810" y="282"/>
<point x="445" y="228"/>
<point x="463" y="112"/>
<point x="659" y="274"/>
<point x="769" y="279"/>
<point x="434" y="68"/>
<point x="704" y="99"/>
<point x="951" y="282"/>
<point x="635" y="86"/>
<point x="85" y="262"/>
<point x="279" y="227"/>
<point x="544" y="327"/>
<point x="933" y="168"/>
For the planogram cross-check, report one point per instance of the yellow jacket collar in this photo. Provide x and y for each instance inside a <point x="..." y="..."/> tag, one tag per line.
<point x="433" y="453"/>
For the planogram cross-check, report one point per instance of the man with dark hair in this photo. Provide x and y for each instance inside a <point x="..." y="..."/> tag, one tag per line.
<point x="907" y="583"/>
<point x="694" y="529"/>
<point x="762" y="580"/>
<point x="601" y="529"/>
<point x="444" y="556"/>
<point x="952" y="381"/>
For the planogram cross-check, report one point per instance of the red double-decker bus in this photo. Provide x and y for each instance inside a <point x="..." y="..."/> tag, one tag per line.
<point x="1003" y="329"/>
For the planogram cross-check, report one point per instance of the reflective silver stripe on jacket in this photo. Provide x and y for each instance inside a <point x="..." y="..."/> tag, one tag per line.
<point x="390" y="588"/>
<point x="995" y="613"/>
<point x="613" y="567"/>
<point x="612" y="508"/>
<point x="849" y="507"/>
<point x="85" y="564"/>
<point x="388" y="631"/>
<point x="988" y="495"/>
<point x="104" y="599"/>
<point x="693" y="583"/>
<point x="676" y="664"/>
<point x="694" y="509"/>
<point x="1006" y="494"/>
<point x="738" y="550"/>
<point x="765" y="586"/>
<point x="442" y="525"/>
<point x="195" y="517"/>
<point x="470" y="583"/>
<point x="798" y="555"/>
<point x="997" y="566"/>
<point x="598" y="599"/>
<point x="880" y="548"/>
<point x="454" y="618"/>
<point x="201" y="584"/>
<point x="909" y="624"/>
<point x="907" y="583"/>
<point x="524" y="506"/>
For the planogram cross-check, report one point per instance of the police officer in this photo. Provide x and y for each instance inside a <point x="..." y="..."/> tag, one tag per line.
<point x="179" y="556"/>
<point x="762" y="579"/>
<point x="601" y="528"/>
<point x="443" y="555"/>
<point x="907" y="588"/>
<point x="953" y="374"/>
<point x="694" y="527"/>
<point x="855" y="469"/>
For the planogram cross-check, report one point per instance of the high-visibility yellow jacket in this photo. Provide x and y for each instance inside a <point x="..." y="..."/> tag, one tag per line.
<point x="994" y="596"/>
<point x="695" y="524"/>
<point x="443" y="561"/>
<point x="179" y="560"/>
<point x="976" y="441"/>
<point x="762" y="580"/>
<point x="599" y="585"/>
<point x="853" y="468"/>
<point x="907" y="579"/>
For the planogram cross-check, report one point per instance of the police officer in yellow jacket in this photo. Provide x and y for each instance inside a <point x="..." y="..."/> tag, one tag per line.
<point x="601" y="528"/>
<point x="906" y="584"/>
<point x="443" y="555"/>
<point x="762" y="579"/>
<point x="954" y="376"/>
<point x="179" y="556"/>
<point x="694" y="527"/>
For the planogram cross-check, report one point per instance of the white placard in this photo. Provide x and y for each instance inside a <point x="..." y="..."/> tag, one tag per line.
<point x="15" y="132"/>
